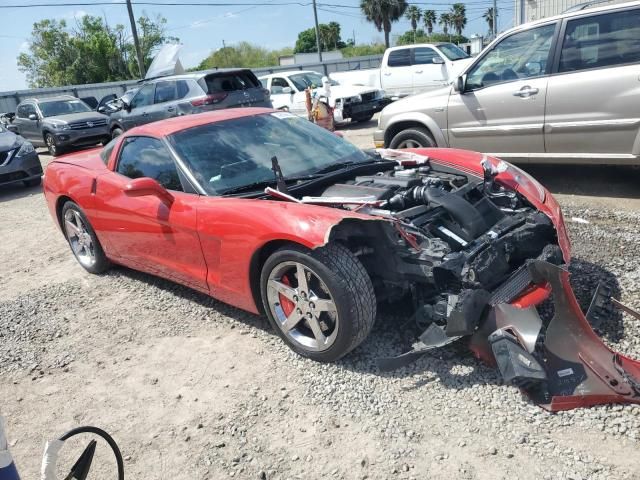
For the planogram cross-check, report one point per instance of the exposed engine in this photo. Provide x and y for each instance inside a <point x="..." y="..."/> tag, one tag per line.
<point x="466" y="236"/>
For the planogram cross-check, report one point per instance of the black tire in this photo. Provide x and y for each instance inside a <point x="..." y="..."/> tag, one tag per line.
<point x="116" y="132"/>
<point x="52" y="145"/>
<point x="363" y="118"/>
<point x="348" y="284"/>
<point x="101" y="263"/>
<point x="34" y="182"/>
<point x="414" y="137"/>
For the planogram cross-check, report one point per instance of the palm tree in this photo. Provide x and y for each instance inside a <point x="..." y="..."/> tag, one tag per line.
<point x="458" y="17"/>
<point x="429" y="17"/>
<point x="488" y="17"/>
<point x="445" y="21"/>
<point x="382" y="13"/>
<point x="413" y="14"/>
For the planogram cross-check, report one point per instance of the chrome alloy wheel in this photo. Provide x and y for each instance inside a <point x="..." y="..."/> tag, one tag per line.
<point x="79" y="238"/>
<point x="302" y="306"/>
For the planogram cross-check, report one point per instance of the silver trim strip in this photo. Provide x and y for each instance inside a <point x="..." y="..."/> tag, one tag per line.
<point x="614" y="124"/>
<point x="498" y="130"/>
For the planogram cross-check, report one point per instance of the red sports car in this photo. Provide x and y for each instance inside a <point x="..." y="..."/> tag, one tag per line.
<point x="270" y="213"/>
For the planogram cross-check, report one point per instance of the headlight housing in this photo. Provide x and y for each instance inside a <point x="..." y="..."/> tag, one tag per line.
<point x="25" y="149"/>
<point x="61" y="126"/>
<point x="523" y="180"/>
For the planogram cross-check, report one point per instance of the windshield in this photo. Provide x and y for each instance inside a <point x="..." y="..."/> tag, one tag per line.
<point x="453" y="52"/>
<point x="308" y="79"/>
<point x="63" y="107"/>
<point x="229" y="154"/>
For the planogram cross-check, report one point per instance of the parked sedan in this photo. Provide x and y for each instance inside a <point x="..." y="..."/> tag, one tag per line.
<point x="559" y="90"/>
<point x="271" y="213"/>
<point x="19" y="162"/>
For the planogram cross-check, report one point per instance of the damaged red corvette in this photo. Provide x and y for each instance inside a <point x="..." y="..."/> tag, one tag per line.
<point x="270" y="213"/>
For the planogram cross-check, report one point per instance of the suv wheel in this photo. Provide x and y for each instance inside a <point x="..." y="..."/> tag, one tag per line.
<point x="116" y="132"/>
<point x="415" y="137"/>
<point x="52" y="145"/>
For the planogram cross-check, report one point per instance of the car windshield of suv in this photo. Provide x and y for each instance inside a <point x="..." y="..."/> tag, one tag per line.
<point x="230" y="154"/>
<point x="63" y="107"/>
<point x="453" y="52"/>
<point x="309" y="79"/>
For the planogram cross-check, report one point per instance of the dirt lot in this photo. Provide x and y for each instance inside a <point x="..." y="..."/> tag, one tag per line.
<point x="194" y="389"/>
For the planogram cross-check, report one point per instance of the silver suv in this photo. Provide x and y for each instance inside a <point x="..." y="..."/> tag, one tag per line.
<point x="564" y="89"/>
<point x="175" y="95"/>
<point x="59" y="123"/>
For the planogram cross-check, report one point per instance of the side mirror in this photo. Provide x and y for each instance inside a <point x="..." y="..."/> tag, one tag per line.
<point x="438" y="60"/>
<point x="460" y="84"/>
<point x="125" y="105"/>
<point x="33" y="116"/>
<point x="141" y="187"/>
<point x="287" y="90"/>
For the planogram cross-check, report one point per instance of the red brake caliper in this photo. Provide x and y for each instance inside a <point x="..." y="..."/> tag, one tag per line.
<point x="287" y="305"/>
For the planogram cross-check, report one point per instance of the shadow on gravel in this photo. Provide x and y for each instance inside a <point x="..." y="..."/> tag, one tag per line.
<point x="588" y="180"/>
<point x="17" y="191"/>
<point x="453" y="366"/>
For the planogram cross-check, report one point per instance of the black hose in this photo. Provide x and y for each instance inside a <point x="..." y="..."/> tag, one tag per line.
<point x="101" y="433"/>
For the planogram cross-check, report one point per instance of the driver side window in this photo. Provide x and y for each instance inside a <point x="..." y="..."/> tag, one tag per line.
<point x="148" y="157"/>
<point x="144" y="97"/>
<point x="519" y="56"/>
<point x="278" y="84"/>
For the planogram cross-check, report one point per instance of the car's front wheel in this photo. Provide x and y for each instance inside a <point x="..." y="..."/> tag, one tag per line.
<point x="52" y="145"/>
<point x="116" y="132"/>
<point x="320" y="302"/>
<point x="82" y="239"/>
<point x="415" y="137"/>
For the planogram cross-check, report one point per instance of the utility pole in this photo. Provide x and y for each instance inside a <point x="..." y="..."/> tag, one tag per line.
<point x="315" y="18"/>
<point x="495" y="18"/>
<point x="136" y="42"/>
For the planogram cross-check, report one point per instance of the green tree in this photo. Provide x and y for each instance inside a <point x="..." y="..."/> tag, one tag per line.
<point x="488" y="17"/>
<point x="458" y="17"/>
<point x="243" y="55"/>
<point x="430" y="18"/>
<point x="382" y="13"/>
<point x="90" y="52"/>
<point x="422" y="37"/>
<point x="445" y="21"/>
<point x="329" y="38"/>
<point x="413" y="14"/>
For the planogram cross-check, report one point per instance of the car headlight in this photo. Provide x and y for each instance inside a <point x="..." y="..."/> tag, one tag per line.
<point x="525" y="181"/>
<point x="25" y="149"/>
<point x="61" y="126"/>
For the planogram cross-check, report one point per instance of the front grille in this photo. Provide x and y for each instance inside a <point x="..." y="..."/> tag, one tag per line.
<point x="11" y="177"/>
<point x="90" y="124"/>
<point x="368" y="97"/>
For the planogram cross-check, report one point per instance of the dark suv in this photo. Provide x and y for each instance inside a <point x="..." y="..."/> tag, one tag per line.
<point x="167" y="97"/>
<point x="59" y="123"/>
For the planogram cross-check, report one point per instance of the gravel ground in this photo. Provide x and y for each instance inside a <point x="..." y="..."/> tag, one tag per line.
<point x="194" y="389"/>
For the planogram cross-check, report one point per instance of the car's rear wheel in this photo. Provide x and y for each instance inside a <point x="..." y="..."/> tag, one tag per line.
<point x="116" y="132"/>
<point x="415" y="137"/>
<point x="320" y="302"/>
<point x="82" y="239"/>
<point x="52" y="145"/>
<point x="362" y="118"/>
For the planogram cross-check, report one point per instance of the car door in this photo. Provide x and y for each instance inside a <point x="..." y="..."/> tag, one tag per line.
<point x="593" y="102"/>
<point x="501" y="109"/>
<point x="28" y="127"/>
<point x="139" y="111"/>
<point x="397" y="74"/>
<point x="280" y="97"/>
<point x="146" y="232"/>
<point x="429" y="69"/>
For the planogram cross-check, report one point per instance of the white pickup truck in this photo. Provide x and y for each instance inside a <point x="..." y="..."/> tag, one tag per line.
<point x="410" y="69"/>
<point x="358" y="103"/>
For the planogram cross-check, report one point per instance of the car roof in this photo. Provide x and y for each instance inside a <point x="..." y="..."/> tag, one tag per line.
<point x="570" y="14"/>
<point x="194" y="75"/>
<point x="288" y="72"/>
<point x="414" y="45"/>
<point x="176" y="124"/>
<point x="50" y="99"/>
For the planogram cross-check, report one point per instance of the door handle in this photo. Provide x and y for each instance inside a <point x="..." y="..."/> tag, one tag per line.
<point x="145" y="114"/>
<point x="386" y="74"/>
<point x="525" y="92"/>
<point x="418" y="71"/>
<point x="171" y="109"/>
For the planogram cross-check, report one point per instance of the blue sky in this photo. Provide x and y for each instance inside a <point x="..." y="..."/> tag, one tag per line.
<point x="202" y="29"/>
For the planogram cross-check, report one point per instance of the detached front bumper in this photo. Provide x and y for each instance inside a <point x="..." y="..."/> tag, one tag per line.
<point x="363" y="109"/>
<point x="20" y="169"/>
